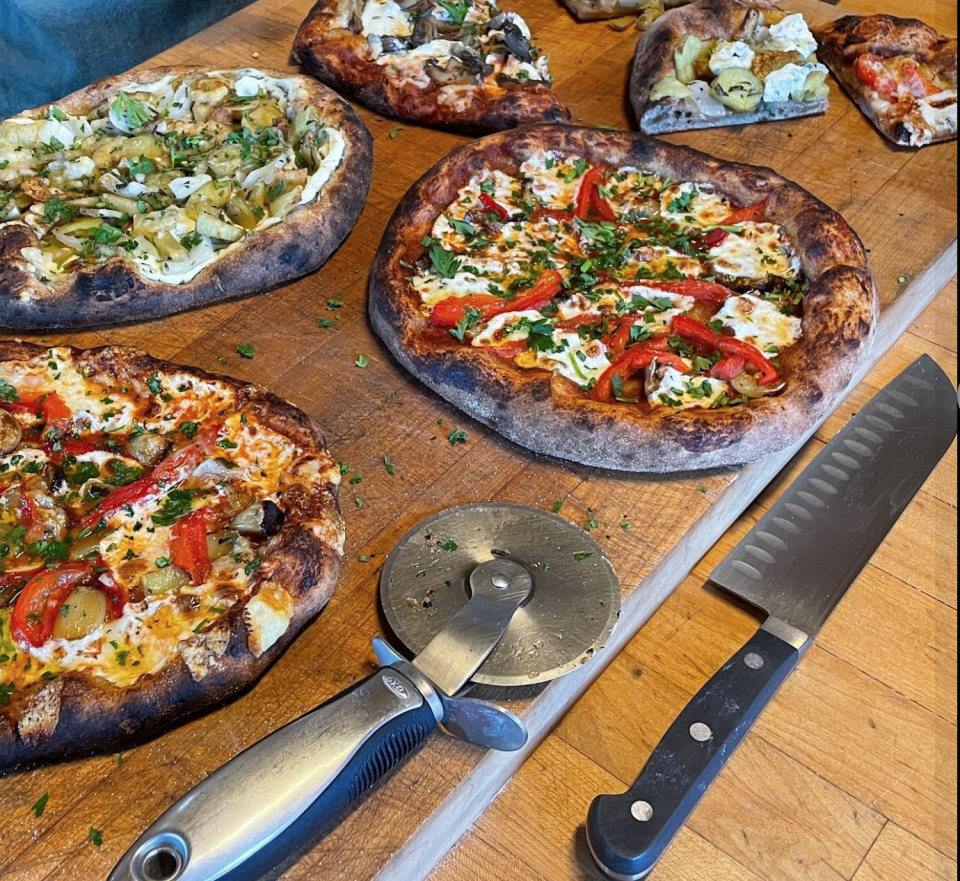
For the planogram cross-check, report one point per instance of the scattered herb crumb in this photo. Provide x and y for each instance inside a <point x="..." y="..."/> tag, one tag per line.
<point x="325" y="322"/>
<point x="702" y="489"/>
<point x="96" y="837"/>
<point x="362" y="361"/>
<point x="395" y="132"/>
<point x="246" y="350"/>
<point x="582" y="555"/>
<point x="358" y="502"/>
<point x="449" y="545"/>
<point x="457" y="436"/>
<point x="902" y="279"/>
<point x="626" y="525"/>
<point x="557" y="506"/>
<point x="41" y="805"/>
<point x="391" y="468"/>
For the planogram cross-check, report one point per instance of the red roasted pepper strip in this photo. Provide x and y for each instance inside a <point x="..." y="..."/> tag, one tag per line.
<point x="449" y="312"/>
<point x="751" y="213"/>
<point x="176" y="468"/>
<point x="28" y="511"/>
<point x="590" y="204"/>
<point x="188" y="545"/>
<point x="694" y="287"/>
<point x="711" y="340"/>
<point x="41" y="600"/>
<point x="727" y="368"/>
<point x="638" y="358"/>
<point x="492" y="206"/>
<point x="50" y="406"/>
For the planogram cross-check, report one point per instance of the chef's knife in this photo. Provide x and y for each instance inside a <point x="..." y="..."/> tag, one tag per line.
<point x="795" y="566"/>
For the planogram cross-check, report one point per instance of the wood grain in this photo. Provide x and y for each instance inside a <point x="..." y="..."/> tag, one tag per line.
<point x="902" y="203"/>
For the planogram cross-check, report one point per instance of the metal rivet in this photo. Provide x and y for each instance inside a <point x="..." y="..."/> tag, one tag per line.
<point x="641" y="811"/>
<point x="500" y="581"/>
<point x="701" y="733"/>
<point x="754" y="661"/>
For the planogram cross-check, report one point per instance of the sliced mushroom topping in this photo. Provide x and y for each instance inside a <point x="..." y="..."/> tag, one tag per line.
<point x="515" y="41"/>
<point x="148" y="448"/>
<point x="394" y="44"/>
<point x="10" y="434"/>
<point x="260" y="519"/>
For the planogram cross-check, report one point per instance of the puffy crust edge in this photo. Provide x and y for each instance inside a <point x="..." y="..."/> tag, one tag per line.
<point x="332" y="55"/>
<point x="114" y="292"/>
<point x="95" y="716"/>
<point x="545" y="413"/>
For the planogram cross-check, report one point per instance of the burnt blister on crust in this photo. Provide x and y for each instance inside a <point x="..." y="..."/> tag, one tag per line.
<point x="842" y="298"/>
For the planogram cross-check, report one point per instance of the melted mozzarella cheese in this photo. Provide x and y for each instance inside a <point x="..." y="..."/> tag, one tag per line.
<point x="760" y="322"/>
<point x="385" y="17"/>
<point x="408" y="67"/>
<point x="694" y="203"/>
<point x="681" y="392"/>
<point x="657" y="318"/>
<point x="759" y="251"/>
<point x="505" y="328"/>
<point x="728" y="54"/>
<point x="578" y="360"/>
<point x="792" y="34"/>
<point x="787" y="82"/>
<point x="552" y="180"/>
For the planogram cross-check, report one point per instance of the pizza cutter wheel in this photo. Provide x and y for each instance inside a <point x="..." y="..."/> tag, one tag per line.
<point x="571" y="612"/>
<point x="490" y="593"/>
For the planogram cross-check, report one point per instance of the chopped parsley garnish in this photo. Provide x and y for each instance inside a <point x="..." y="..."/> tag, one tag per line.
<point x="445" y="264"/>
<point x="131" y="110"/>
<point x="176" y="504"/>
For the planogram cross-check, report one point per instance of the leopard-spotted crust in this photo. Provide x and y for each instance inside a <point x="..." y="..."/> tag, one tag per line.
<point x="546" y="413"/>
<point x="115" y="292"/>
<point x="81" y="713"/>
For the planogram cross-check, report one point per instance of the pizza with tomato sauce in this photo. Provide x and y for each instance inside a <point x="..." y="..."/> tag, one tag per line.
<point x="464" y="64"/>
<point x="164" y="535"/>
<point x="901" y="72"/>
<point x="611" y="299"/>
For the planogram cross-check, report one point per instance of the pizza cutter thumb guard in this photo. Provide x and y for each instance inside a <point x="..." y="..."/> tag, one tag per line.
<point x="457" y="580"/>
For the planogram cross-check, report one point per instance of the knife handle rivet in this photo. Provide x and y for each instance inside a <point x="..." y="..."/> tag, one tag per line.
<point x="701" y="733"/>
<point x="500" y="581"/>
<point x="641" y="811"/>
<point x="754" y="661"/>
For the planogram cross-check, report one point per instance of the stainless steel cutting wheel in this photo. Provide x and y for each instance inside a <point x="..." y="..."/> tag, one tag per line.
<point x="573" y="609"/>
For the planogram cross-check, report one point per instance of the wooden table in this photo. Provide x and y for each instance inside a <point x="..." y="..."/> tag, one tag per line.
<point x="903" y="205"/>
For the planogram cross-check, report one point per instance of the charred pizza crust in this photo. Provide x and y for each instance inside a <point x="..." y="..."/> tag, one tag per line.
<point x="546" y="413"/>
<point x="653" y="60"/>
<point x="844" y="40"/>
<point x="80" y="713"/>
<point x="115" y="292"/>
<point x="337" y="56"/>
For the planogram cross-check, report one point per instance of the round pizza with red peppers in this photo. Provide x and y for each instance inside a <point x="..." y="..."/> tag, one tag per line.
<point x="614" y="300"/>
<point x="164" y="535"/>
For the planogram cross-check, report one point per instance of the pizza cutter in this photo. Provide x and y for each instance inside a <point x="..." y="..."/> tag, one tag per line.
<point x="493" y="594"/>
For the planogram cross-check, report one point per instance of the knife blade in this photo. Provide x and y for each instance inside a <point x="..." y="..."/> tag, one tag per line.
<point x="794" y="566"/>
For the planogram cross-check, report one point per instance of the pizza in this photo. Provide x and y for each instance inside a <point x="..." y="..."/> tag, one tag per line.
<point x="164" y="535"/>
<point x="457" y="63"/>
<point x="726" y="62"/>
<point x="153" y="192"/>
<point x="611" y="299"/>
<point x="901" y="73"/>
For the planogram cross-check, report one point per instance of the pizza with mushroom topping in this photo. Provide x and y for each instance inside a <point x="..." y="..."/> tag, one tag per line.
<point x="901" y="72"/>
<point x="463" y="64"/>
<point x="617" y="301"/>
<point x="164" y="535"/>
<point x="726" y="62"/>
<point x="153" y="192"/>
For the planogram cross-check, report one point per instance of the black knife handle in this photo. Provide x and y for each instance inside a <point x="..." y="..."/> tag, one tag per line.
<point x="629" y="833"/>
